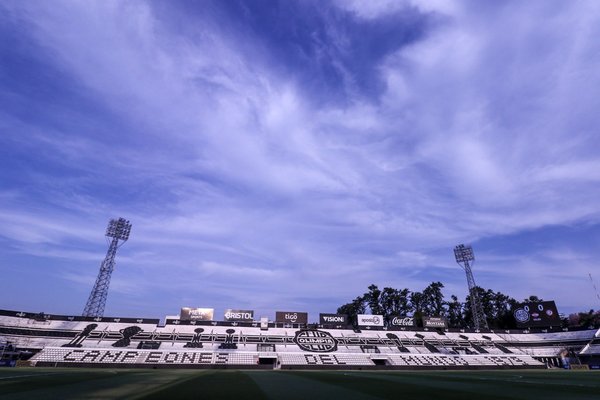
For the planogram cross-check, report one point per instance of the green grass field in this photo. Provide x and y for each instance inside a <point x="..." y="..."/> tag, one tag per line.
<point x="58" y="383"/>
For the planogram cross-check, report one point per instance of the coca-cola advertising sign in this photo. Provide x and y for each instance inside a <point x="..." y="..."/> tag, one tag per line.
<point x="398" y="320"/>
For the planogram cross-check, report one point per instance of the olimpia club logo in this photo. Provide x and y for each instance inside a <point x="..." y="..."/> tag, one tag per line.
<point x="522" y="315"/>
<point x="316" y="341"/>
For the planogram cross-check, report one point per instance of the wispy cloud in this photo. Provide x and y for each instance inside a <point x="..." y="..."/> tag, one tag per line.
<point x="269" y="154"/>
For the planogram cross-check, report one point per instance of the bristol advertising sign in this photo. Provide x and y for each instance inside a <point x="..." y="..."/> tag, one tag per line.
<point x="239" y="315"/>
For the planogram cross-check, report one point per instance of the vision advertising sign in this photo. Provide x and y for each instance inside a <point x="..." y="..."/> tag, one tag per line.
<point x="333" y="319"/>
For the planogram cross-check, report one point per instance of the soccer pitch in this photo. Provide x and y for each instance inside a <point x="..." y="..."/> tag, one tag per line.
<point x="69" y="383"/>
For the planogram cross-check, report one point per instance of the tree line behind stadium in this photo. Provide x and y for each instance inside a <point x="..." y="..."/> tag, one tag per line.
<point x="498" y="307"/>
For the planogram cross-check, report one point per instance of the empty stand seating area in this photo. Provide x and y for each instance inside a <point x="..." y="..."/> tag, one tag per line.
<point x="470" y="361"/>
<point x="60" y="356"/>
<point x="337" y="360"/>
<point x="128" y="342"/>
<point x="53" y="356"/>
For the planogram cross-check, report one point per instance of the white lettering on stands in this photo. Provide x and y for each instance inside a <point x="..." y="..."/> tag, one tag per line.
<point x="322" y="359"/>
<point x="152" y="357"/>
<point x="314" y="340"/>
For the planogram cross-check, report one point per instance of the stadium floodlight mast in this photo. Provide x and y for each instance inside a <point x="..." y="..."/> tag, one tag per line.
<point x="118" y="230"/>
<point x="464" y="257"/>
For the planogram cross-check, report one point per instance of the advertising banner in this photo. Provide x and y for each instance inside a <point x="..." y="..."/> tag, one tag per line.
<point x="196" y="314"/>
<point x="398" y="320"/>
<point x="369" y="320"/>
<point x="542" y="314"/>
<point x="333" y="319"/>
<point x="291" y="317"/>
<point x="54" y="317"/>
<point x="435" y="322"/>
<point x="264" y="323"/>
<point x="239" y="315"/>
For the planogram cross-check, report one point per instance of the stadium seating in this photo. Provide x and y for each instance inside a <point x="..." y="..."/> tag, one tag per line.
<point x="66" y="356"/>
<point x="142" y="342"/>
<point x="296" y="359"/>
<point x="591" y="349"/>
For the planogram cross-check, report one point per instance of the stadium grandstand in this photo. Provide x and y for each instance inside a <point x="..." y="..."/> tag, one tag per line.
<point x="194" y="339"/>
<point x="58" y="340"/>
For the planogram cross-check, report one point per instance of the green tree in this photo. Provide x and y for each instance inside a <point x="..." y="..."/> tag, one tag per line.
<point x="468" y="310"/>
<point x="373" y="299"/>
<point x="352" y="309"/>
<point x="394" y="302"/>
<point x="496" y="306"/>
<point x="433" y="300"/>
<point x="589" y="319"/>
<point x="502" y="314"/>
<point x="416" y="300"/>
<point x="455" y="313"/>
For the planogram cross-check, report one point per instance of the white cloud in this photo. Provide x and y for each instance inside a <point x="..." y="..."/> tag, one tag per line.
<point x="381" y="8"/>
<point x="227" y="168"/>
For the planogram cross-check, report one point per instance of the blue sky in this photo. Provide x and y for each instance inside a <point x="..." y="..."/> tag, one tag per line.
<point x="281" y="155"/>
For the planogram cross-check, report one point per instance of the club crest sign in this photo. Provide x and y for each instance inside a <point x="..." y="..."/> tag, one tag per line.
<point x="537" y="314"/>
<point x="315" y="341"/>
<point x="521" y="315"/>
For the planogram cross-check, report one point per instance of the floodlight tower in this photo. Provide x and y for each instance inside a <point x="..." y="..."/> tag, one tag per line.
<point x="464" y="257"/>
<point x="118" y="230"/>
